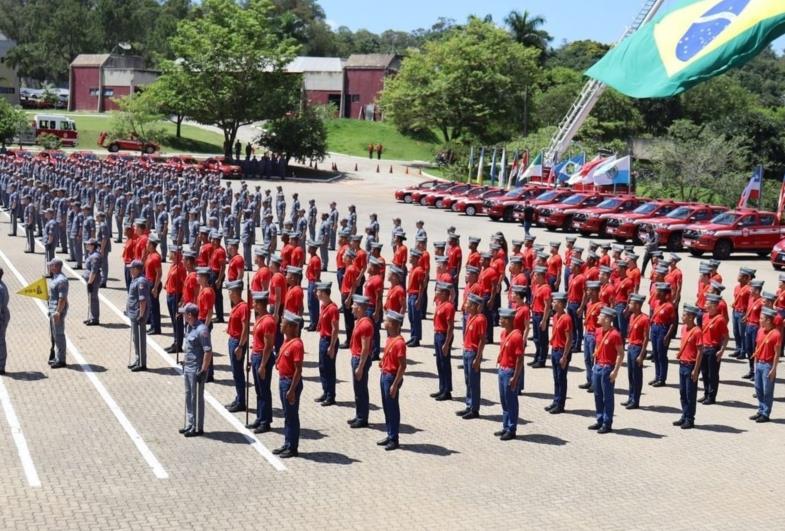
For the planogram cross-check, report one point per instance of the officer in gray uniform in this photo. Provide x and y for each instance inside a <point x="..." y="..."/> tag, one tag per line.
<point x="138" y="310"/>
<point x="5" y="317"/>
<point x="312" y="213"/>
<point x="333" y="217"/>
<point x="58" y="309"/>
<point x="324" y="239"/>
<point x="51" y="237"/>
<point x="248" y="237"/>
<point x="75" y="235"/>
<point x="13" y="208"/>
<point x="29" y="216"/>
<point x="104" y="239"/>
<point x="198" y="356"/>
<point x="92" y="275"/>
<point x="280" y="206"/>
<point x="162" y="228"/>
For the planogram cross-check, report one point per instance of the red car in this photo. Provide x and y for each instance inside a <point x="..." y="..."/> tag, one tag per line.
<point x="127" y="144"/>
<point x="219" y="164"/>
<point x="622" y="226"/>
<point x="183" y="162"/>
<point x="405" y="194"/>
<point x="778" y="255"/>
<point x="451" y="200"/>
<point x="434" y="198"/>
<point x="589" y="220"/>
<point x="50" y="156"/>
<point x="418" y="196"/>
<point x="471" y="206"/>
<point x="76" y="156"/>
<point x="744" y="230"/>
<point x="560" y="215"/>
<point x="670" y="228"/>
<point x="547" y="197"/>
<point x="503" y="208"/>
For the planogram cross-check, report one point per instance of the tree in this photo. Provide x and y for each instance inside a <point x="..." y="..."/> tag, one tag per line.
<point x="578" y="55"/>
<point x="171" y="96"/>
<point x="232" y="59"/>
<point x="138" y="118"/>
<point x="300" y="136"/>
<point x="471" y="81"/>
<point x="12" y="121"/>
<point x="527" y="30"/>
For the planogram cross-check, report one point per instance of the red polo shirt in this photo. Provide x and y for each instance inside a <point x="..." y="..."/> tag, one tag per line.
<point x="328" y="314"/>
<point x="766" y="350"/>
<point x="562" y="325"/>
<point x="261" y="279"/>
<point x="715" y="330"/>
<point x="690" y="343"/>
<point x="291" y="354"/>
<point x="638" y="329"/>
<point x="511" y="349"/>
<point x="277" y="281"/>
<point x="476" y="327"/>
<point x="607" y="347"/>
<point x="363" y="328"/>
<point x="396" y="298"/>
<point x="445" y="314"/>
<point x="236" y="268"/>
<point x="217" y="259"/>
<point x="237" y="317"/>
<point x="264" y="326"/>
<point x="293" y="301"/>
<point x="205" y="301"/>
<point x="416" y="278"/>
<point x="314" y="270"/>
<point x="394" y="354"/>
<point x="541" y="294"/>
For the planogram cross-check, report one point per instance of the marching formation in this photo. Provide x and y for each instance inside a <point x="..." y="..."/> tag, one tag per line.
<point x="554" y="302"/>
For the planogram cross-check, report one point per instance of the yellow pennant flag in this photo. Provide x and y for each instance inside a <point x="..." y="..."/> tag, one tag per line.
<point x="37" y="290"/>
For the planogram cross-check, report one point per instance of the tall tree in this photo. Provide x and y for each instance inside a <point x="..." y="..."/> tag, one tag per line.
<point x="233" y="59"/>
<point x="12" y="120"/>
<point x="527" y="30"/>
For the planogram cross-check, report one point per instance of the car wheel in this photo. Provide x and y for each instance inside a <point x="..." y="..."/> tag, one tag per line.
<point x="674" y="242"/>
<point x="620" y="240"/>
<point x="471" y="211"/>
<point x="454" y="208"/>
<point x="764" y="254"/>
<point x="696" y="253"/>
<point x="439" y="204"/>
<point x="507" y="216"/>
<point x="567" y="225"/>
<point x="585" y="233"/>
<point x="603" y="230"/>
<point x="777" y="267"/>
<point x="113" y="148"/>
<point x="149" y="150"/>
<point x="494" y="218"/>
<point x="722" y="250"/>
<point x="422" y="201"/>
<point x="407" y="199"/>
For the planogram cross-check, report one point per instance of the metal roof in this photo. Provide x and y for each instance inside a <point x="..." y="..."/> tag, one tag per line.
<point x="90" y="59"/>
<point x="315" y="64"/>
<point x="372" y="60"/>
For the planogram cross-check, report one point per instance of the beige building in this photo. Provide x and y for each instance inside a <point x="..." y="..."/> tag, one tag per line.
<point x="9" y="82"/>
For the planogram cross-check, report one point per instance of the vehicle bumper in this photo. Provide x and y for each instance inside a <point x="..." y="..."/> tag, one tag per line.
<point x="701" y="244"/>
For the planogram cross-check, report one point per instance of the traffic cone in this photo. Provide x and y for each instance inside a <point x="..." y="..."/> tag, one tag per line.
<point x="355" y="166"/>
<point x="377" y="168"/>
<point x="390" y="169"/>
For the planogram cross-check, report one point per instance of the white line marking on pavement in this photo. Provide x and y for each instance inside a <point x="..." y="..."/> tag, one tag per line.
<point x="147" y="454"/>
<point x="19" y="438"/>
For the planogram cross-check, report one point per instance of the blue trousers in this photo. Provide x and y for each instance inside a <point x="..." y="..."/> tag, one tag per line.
<point x="390" y="405"/>
<point x="127" y="276"/>
<point x="376" y="339"/>
<point x="264" y="396"/>
<point x="738" y="331"/>
<point x="487" y="310"/>
<point x="415" y="318"/>
<point x="326" y="368"/>
<point x="566" y="275"/>
<point x="472" y="379"/>
<point x="361" y="397"/>
<point x="339" y="275"/>
<point x="177" y="320"/>
<point x="559" y="378"/>
<point x="291" y="413"/>
<point x="508" y="396"/>
<point x="634" y="374"/>
<point x="540" y="338"/>
<point x="313" y="304"/>
<point x="764" y="388"/>
<point x="577" y="324"/>
<point x="750" y="340"/>
<point x="238" y="371"/>
<point x="443" y="365"/>
<point x="348" y="321"/>
<point x="659" y="352"/>
<point x="621" y="319"/>
<point x="603" y="393"/>
<point x="589" y="344"/>
<point x="688" y="391"/>
<point x="155" y="313"/>
<point x="710" y="371"/>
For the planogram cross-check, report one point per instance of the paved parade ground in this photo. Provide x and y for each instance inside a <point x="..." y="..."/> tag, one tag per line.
<point x="95" y="446"/>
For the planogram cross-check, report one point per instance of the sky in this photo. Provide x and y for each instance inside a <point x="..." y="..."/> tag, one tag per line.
<point x="570" y="20"/>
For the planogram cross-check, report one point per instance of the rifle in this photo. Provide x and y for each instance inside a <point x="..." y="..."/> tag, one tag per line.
<point x="246" y="333"/>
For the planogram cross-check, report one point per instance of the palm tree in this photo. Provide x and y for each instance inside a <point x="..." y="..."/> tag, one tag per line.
<point x="527" y="30"/>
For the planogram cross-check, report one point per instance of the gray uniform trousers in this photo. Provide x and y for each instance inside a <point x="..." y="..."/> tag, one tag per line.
<point x="194" y="401"/>
<point x="5" y="316"/>
<point x="57" y="336"/>
<point x="104" y="269"/>
<point x="325" y="255"/>
<point x="139" y="330"/>
<point x="30" y="235"/>
<point x="94" y="308"/>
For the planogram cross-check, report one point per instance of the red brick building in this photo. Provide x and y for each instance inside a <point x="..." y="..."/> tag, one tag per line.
<point x="322" y="79"/>
<point x="108" y="75"/>
<point x="364" y="77"/>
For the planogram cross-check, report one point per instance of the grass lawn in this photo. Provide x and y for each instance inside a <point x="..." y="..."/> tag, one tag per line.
<point x="193" y="139"/>
<point x="351" y="137"/>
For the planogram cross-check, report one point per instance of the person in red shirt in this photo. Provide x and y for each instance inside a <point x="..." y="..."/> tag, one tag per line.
<point x="204" y="302"/>
<point x="442" y="273"/>
<point x="191" y="283"/>
<point x="340" y="263"/>
<point x="328" y="343"/>
<point x="289" y="363"/>
<point x="396" y="295"/>
<point x="608" y="357"/>
<point x="521" y="320"/>
<point x="714" y="341"/>
<point x="360" y="347"/>
<point x="633" y="272"/>
<point x="153" y="274"/>
<point x="674" y="278"/>
<point x="393" y="367"/>
<point x="313" y="274"/>
<point x="349" y="282"/>
<point x="663" y="327"/>
<point x="277" y="293"/>
<point x="205" y="248"/>
<point x="297" y="257"/>
<point x="217" y="264"/>
<point x="425" y="263"/>
<point x="489" y="280"/>
<point x="237" y="330"/>
<point x="415" y="291"/>
<point x="624" y="288"/>
<point x="400" y="253"/>
<point x="236" y="267"/>
<point x="510" y="372"/>
<point x="174" y="286"/>
<point x="373" y="289"/>
<point x="286" y="250"/>
<point x="637" y="340"/>
<point x="263" y="343"/>
<point x="376" y="252"/>
<point x="142" y="234"/>
<point x="576" y="291"/>
<point x="541" y="313"/>
<point x="751" y="321"/>
<point x="454" y="260"/>
<point x="767" y="354"/>
<point x="473" y="346"/>
<point x="517" y="278"/>
<point x="443" y="328"/>
<point x="592" y="305"/>
<point x="689" y="356"/>
<point x="474" y="258"/>
<point x="554" y="264"/>
<point x="607" y="288"/>
<point x="561" y="344"/>
<point x="293" y="301"/>
<point x="129" y="253"/>
<point x="261" y="278"/>
<point x="741" y="298"/>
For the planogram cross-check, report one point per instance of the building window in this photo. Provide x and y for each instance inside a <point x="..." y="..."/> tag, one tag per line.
<point x="7" y="90"/>
<point x="107" y="92"/>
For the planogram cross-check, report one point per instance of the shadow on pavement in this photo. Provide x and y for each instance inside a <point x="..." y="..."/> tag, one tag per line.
<point x="328" y="458"/>
<point x="540" y="438"/>
<point x="635" y="432"/>
<point x="428" y="449"/>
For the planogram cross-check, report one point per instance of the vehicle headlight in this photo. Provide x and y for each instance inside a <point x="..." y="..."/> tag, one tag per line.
<point x="707" y="233"/>
<point x="662" y="226"/>
<point x="594" y="215"/>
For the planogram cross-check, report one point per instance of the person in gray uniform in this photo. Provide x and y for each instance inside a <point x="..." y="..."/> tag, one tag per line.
<point x="51" y="237"/>
<point x="13" y="208"/>
<point x="29" y="217"/>
<point x="324" y="239"/>
<point x="5" y="317"/>
<point x="92" y="275"/>
<point x="248" y="237"/>
<point x="138" y="310"/>
<point x="333" y="217"/>
<point x="280" y="206"/>
<point x="198" y="356"/>
<point x="312" y="213"/>
<point x="75" y="235"/>
<point x="58" y="309"/>
<point x="104" y="239"/>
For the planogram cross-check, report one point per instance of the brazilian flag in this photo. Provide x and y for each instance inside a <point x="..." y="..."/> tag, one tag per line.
<point x="693" y="42"/>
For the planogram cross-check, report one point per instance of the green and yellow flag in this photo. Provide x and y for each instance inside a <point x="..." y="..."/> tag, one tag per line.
<point x="37" y="290"/>
<point x="691" y="43"/>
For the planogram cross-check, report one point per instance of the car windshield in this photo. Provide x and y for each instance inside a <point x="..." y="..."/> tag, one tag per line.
<point x="646" y="208"/>
<point x="726" y="218"/>
<point x="680" y="213"/>
<point x="573" y="199"/>
<point x="610" y="203"/>
<point x="475" y="191"/>
<point x="547" y="196"/>
<point x="513" y="193"/>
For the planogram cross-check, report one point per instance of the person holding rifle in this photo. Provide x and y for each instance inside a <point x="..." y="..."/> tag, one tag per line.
<point x="328" y="343"/>
<point x="198" y="357"/>
<point x="237" y="330"/>
<point x="289" y="363"/>
<point x="262" y="362"/>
